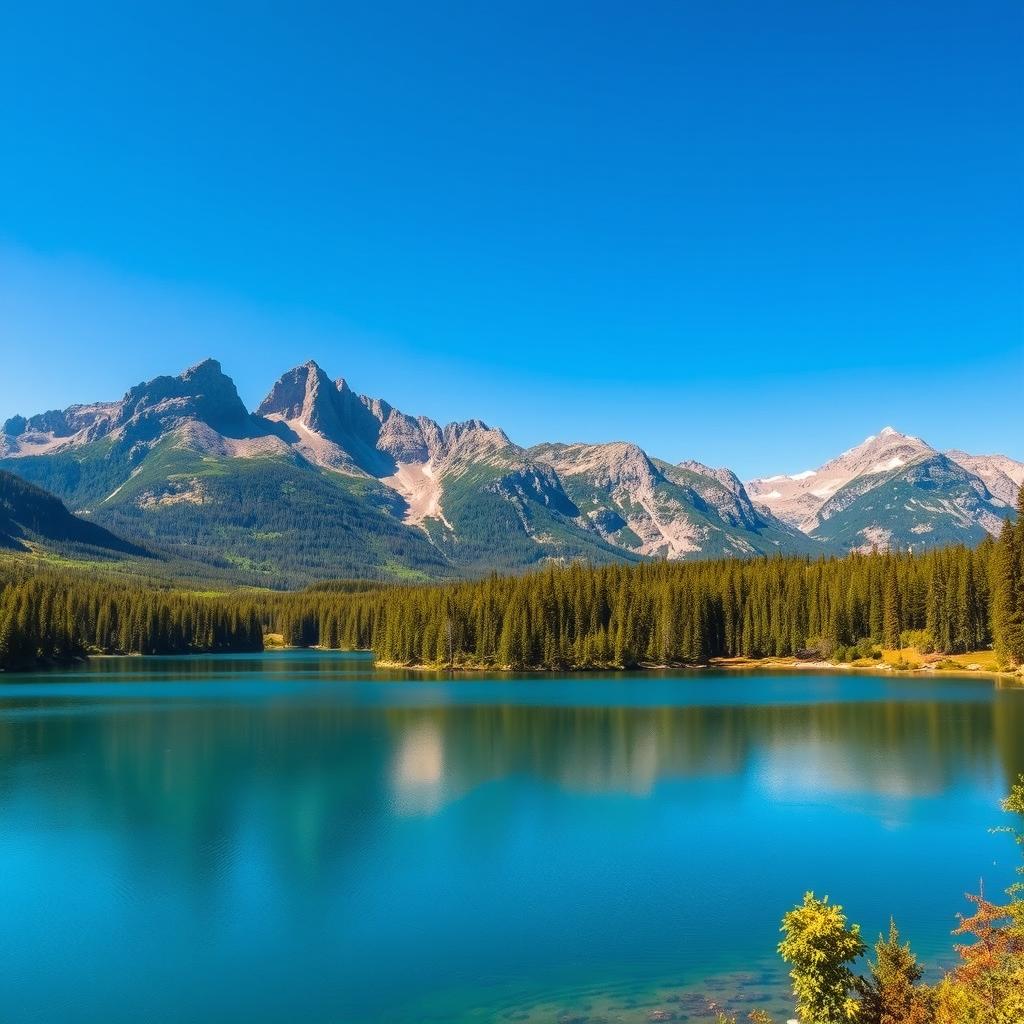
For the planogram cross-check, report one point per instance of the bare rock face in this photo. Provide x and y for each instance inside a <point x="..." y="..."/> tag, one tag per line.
<point x="405" y="438"/>
<point x="203" y="392"/>
<point x="330" y="425"/>
<point x="300" y="392"/>
<point x="1003" y="476"/>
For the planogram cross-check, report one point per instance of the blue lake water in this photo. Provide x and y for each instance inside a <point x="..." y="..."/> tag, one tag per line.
<point x="298" y="837"/>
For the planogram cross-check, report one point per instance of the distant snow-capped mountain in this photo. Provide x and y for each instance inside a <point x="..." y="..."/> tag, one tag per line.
<point x="895" y="490"/>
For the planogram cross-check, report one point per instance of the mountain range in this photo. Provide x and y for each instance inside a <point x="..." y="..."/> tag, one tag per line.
<point x="320" y="481"/>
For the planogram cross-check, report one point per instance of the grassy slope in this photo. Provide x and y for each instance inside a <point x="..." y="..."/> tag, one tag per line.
<point x="275" y="521"/>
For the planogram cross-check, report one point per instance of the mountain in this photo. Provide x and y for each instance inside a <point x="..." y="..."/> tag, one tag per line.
<point x="476" y="497"/>
<point x="321" y="481"/>
<point x="1003" y="476"/>
<point x="180" y="465"/>
<point x="893" y="490"/>
<point x="653" y="508"/>
<point x="30" y="517"/>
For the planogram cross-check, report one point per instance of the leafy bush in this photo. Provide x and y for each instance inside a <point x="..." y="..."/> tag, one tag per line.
<point x="919" y="638"/>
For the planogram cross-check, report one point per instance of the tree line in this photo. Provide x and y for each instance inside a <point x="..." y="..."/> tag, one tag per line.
<point x="576" y="616"/>
<point x="950" y="600"/>
<point x="49" y="617"/>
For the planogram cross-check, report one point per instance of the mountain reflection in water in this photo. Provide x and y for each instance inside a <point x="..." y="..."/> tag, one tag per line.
<point x="336" y="844"/>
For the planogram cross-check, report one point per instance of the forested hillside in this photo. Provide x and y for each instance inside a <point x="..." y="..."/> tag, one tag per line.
<point x="28" y="514"/>
<point x="950" y="600"/>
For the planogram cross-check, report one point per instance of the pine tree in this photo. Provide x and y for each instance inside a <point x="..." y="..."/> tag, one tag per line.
<point x="892" y="995"/>
<point x="892" y="617"/>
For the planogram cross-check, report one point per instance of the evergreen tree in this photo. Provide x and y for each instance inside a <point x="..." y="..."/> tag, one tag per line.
<point x="891" y="994"/>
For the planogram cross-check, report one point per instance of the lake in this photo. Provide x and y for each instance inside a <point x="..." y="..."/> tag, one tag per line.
<point x="296" y="837"/>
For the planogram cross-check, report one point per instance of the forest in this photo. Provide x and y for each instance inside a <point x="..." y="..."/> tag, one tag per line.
<point x="51" y="617"/>
<point x="564" y="617"/>
<point x="950" y="600"/>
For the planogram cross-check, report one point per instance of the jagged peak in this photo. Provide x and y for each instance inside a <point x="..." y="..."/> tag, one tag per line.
<point x="294" y="391"/>
<point x="208" y="367"/>
<point x="720" y="473"/>
<point x="458" y="428"/>
<point x="621" y="462"/>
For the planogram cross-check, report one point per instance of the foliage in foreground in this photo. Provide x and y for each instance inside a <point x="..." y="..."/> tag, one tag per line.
<point x="985" y="987"/>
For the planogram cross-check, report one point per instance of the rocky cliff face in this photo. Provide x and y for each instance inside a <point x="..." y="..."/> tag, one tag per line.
<point x="1003" y="476"/>
<point x="326" y="423"/>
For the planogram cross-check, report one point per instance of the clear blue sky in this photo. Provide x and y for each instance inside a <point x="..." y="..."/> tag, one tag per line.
<point x="749" y="233"/>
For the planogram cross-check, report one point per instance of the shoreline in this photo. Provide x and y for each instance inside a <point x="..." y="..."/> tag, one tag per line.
<point x="723" y="665"/>
<point x="738" y="664"/>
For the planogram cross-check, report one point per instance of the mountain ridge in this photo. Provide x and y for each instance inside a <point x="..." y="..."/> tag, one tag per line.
<point x="354" y="485"/>
<point x="893" y="490"/>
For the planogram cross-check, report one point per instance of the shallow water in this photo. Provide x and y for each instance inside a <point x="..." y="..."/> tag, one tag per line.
<point x="296" y="837"/>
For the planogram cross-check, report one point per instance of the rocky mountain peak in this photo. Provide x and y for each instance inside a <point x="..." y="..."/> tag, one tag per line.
<point x="204" y="372"/>
<point x="613" y="463"/>
<point x="726" y="477"/>
<point x="474" y="440"/>
<point x="202" y="392"/>
<point x="305" y="392"/>
<point x="796" y="498"/>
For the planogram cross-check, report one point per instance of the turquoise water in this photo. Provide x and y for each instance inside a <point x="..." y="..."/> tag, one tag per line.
<point x="298" y="838"/>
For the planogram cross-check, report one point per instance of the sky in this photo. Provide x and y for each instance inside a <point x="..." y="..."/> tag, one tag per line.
<point x="746" y="233"/>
